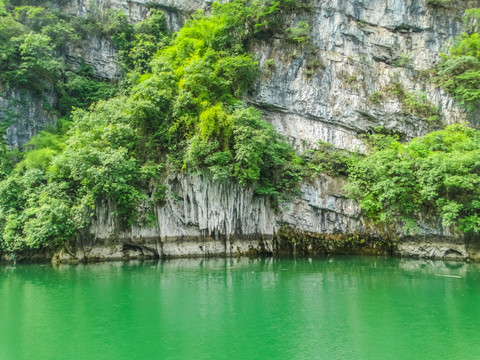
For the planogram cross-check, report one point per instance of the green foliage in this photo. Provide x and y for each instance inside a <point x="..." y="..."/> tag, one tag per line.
<point x="376" y="97"/>
<point x="326" y="159"/>
<point x="440" y="3"/>
<point x="33" y="41"/>
<point x="7" y="160"/>
<point x="459" y="70"/>
<point x="299" y="33"/>
<point x="453" y="4"/>
<point x="33" y="213"/>
<point x="314" y="63"/>
<point x="34" y="18"/>
<point x="351" y="79"/>
<point x="269" y="63"/>
<point x="180" y="110"/>
<point x="434" y="175"/>
<point x="99" y="163"/>
<point x="415" y="102"/>
<point x="471" y="20"/>
<point x="160" y="194"/>
<point x="30" y="37"/>
<point x="205" y="74"/>
<point x="3" y="9"/>
<point x="38" y="61"/>
<point x="137" y="45"/>
<point x="44" y="147"/>
<point x="51" y="194"/>
<point x="259" y="18"/>
<point x="81" y="89"/>
<point x="403" y="60"/>
<point x="261" y="156"/>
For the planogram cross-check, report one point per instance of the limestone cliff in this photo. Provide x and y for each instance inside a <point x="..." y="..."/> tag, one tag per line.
<point x="201" y="217"/>
<point x="363" y="47"/>
<point x="309" y="93"/>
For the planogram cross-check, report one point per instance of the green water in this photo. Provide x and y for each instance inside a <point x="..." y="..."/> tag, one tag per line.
<point x="341" y="308"/>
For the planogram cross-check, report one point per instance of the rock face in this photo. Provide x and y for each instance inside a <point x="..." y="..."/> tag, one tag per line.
<point x="97" y="52"/>
<point x="176" y="11"/>
<point x="205" y="218"/>
<point x="25" y="113"/>
<point x="321" y="90"/>
<point x="200" y="217"/>
<point x="318" y="91"/>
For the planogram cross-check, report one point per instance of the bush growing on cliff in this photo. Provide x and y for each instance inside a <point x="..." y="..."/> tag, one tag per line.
<point x="138" y="44"/>
<point x="437" y="175"/>
<point x="81" y="89"/>
<point x="260" y="18"/>
<point x="459" y="70"/>
<point x="50" y="195"/>
<point x="299" y="33"/>
<point x="440" y="3"/>
<point x="32" y="53"/>
<point x="195" y="119"/>
<point x="326" y="159"/>
<point x="415" y="102"/>
<point x="27" y="52"/>
<point x="33" y="42"/>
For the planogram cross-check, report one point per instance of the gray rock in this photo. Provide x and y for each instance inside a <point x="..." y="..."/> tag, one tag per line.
<point x="358" y="43"/>
<point x="201" y="217"/>
<point x="25" y="114"/>
<point x="176" y="11"/>
<point x="97" y="52"/>
<point x="358" y="46"/>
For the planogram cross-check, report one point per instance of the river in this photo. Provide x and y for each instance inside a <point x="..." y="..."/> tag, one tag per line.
<point x="327" y="308"/>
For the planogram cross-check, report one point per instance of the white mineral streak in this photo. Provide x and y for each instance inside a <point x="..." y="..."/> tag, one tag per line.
<point x="203" y="217"/>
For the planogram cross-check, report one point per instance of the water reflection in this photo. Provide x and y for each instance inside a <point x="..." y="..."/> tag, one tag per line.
<point x="263" y="308"/>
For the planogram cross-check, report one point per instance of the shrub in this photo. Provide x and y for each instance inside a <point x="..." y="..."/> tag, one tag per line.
<point x="434" y="175"/>
<point x="376" y="97"/>
<point x="415" y="102"/>
<point x="440" y="3"/>
<point x="269" y="63"/>
<point x="459" y="70"/>
<point x="326" y="159"/>
<point x="403" y="60"/>
<point x="299" y="33"/>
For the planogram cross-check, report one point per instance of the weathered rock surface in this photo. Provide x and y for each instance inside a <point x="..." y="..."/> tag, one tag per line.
<point x="362" y="45"/>
<point x="25" y="113"/>
<point x="204" y="218"/>
<point x="176" y="11"/>
<point x="359" y="47"/>
<point x="321" y="91"/>
<point x="97" y="52"/>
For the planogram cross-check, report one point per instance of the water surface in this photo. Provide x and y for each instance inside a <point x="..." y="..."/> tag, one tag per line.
<point x="338" y="308"/>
